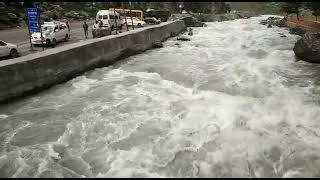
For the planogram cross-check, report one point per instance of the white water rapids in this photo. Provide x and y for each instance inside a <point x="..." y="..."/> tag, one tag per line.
<point x="232" y="102"/>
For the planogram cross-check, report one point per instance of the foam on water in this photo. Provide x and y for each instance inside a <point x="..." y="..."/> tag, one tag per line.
<point x="232" y="102"/>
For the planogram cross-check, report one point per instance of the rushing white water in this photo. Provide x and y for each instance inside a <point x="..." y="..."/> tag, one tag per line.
<point x="232" y="102"/>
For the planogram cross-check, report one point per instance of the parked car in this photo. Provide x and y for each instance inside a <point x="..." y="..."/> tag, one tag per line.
<point x="52" y="32"/>
<point x="152" y="20"/>
<point x="109" y="19"/>
<point x="135" y="20"/>
<point x="8" y="49"/>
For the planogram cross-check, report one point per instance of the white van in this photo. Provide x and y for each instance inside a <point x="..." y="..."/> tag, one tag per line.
<point x="109" y="19"/>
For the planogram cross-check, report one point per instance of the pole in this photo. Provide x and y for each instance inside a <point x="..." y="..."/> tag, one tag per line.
<point x="29" y="31"/>
<point x="115" y="19"/>
<point x="125" y="17"/>
<point x="41" y="32"/>
<point x="131" y="16"/>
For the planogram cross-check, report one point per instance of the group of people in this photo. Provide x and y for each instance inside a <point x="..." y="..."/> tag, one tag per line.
<point x="96" y="25"/>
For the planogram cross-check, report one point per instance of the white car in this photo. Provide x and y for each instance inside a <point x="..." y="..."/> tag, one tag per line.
<point x="52" y="32"/>
<point x="136" y="22"/>
<point x="8" y="49"/>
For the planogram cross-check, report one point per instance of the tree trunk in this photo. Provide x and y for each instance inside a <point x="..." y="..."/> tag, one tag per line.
<point x="298" y="16"/>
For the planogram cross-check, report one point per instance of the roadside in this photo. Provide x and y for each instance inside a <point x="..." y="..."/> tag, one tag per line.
<point x="20" y="37"/>
<point x="309" y="25"/>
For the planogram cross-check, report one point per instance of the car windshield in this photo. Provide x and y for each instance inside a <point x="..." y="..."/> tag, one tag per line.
<point x="47" y="28"/>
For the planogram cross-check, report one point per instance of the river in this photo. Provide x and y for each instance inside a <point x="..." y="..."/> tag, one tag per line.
<point x="232" y="102"/>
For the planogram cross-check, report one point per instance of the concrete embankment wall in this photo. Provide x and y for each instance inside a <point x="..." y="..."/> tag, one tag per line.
<point x="40" y="70"/>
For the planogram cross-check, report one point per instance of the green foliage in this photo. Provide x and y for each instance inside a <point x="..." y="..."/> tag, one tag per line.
<point x="257" y="7"/>
<point x="314" y="7"/>
<point x="291" y="7"/>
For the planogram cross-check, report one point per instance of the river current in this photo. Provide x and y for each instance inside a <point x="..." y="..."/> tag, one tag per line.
<point x="232" y="102"/>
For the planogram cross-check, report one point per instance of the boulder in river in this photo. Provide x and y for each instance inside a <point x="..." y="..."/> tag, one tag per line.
<point x="275" y="21"/>
<point x="308" y="47"/>
<point x="192" y="22"/>
<point x="158" y="45"/>
<point x="190" y="32"/>
<point x="183" y="38"/>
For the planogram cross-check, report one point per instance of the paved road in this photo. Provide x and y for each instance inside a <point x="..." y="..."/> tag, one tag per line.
<point x="20" y="36"/>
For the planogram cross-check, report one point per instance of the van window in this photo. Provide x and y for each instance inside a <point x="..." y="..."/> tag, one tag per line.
<point x="99" y="17"/>
<point x="62" y="27"/>
<point x="111" y="16"/>
<point x="2" y="43"/>
<point x="105" y="17"/>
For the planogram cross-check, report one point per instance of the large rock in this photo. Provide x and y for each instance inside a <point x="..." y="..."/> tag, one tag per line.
<point x="297" y="31"/>
<point x="308" y="47"/>
<point x="192" y="22"/>
<point x="274" y="21"/>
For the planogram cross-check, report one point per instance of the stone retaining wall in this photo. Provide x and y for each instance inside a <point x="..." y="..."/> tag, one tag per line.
<point x="41" y="70"/>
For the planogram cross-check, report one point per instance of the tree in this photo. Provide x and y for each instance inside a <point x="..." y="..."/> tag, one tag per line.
<point x="292" y="8"/>
<point x="315" y="8"/>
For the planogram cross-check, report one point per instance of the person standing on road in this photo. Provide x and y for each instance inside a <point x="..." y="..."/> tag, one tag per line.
<point x="85" y="28"/>
<point x="68" y="26"/>
<point x="96" y="25"/>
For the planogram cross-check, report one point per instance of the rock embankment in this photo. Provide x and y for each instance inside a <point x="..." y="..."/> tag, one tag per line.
<point x="223" y="17"/>
<point x="308" y="47"/>
<point x="274" y="21"/>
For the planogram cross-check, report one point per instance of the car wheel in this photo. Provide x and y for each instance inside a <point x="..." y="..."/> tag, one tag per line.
<point x="54" y="43"/>
<point x="139" y="25"/>
<point x="48" y="42"/>
<point x="13" y="53"/>
<point x="66" y="38"/>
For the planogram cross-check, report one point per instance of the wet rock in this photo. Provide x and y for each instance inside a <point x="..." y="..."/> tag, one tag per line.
<point x="158" y="45"/>
<point x="281" y="23"/>
<point x="190" y="32"/>
<point x="223" y="17"/>
<point x="274" y="21"/>
<point x="192" y="22"/>
<point x="264" y="22"/>
<point x="282" y="35"/>
<point x="308" y="47"/>
<point x="297" y="31"/>
<point x="183" y="38"/>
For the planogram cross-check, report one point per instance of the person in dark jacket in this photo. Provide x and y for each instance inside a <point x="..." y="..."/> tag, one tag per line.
<point x="68" y="26"/>
<point x="85" y="28"/>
